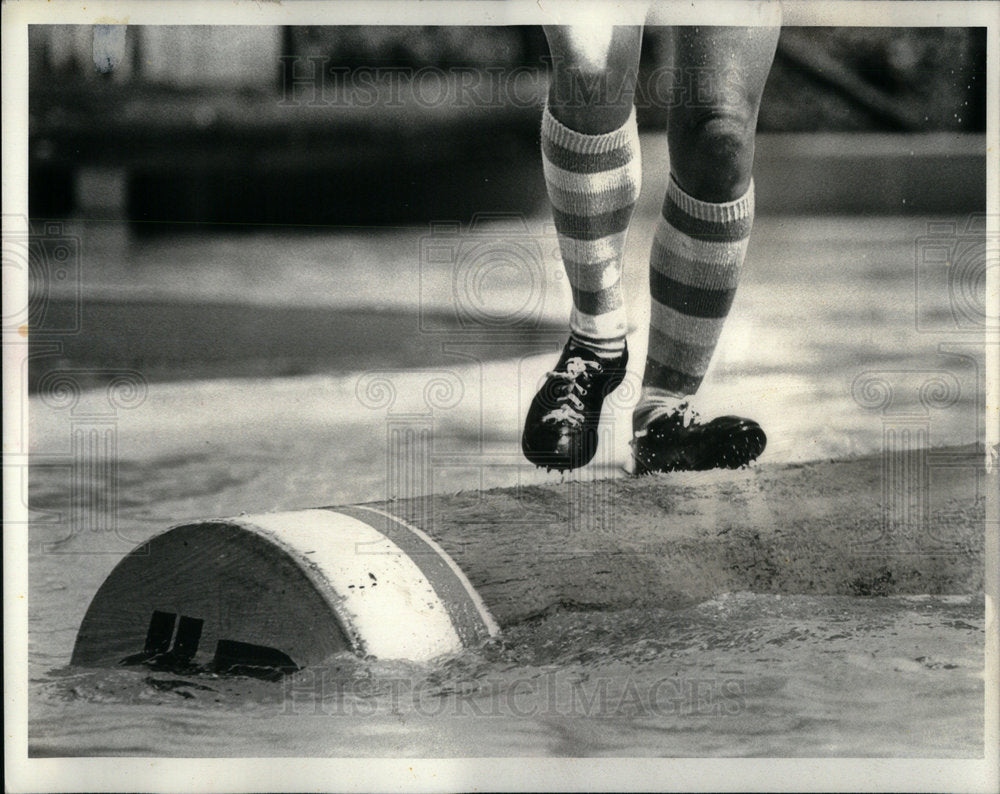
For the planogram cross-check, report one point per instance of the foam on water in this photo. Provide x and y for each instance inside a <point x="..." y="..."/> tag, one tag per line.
<point x="744" y="674"/>
<point x="748" y="674"/>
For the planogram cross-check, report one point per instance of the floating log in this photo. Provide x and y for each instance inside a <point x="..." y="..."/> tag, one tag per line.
<point x="419" y="578"/>
<point x="280" y="591"/>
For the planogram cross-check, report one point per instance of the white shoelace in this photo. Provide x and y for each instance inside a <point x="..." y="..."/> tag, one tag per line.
<point x="683" y="409"/>
<point x="571" y="410"/>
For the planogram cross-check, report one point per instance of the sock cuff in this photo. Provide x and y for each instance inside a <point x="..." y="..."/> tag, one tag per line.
<point x="581" y="143"/>
<point x="653" y="403"/>
<point x="656" y="395"/>
<point x="605" y="348"/>
<point x="736" y="210"/>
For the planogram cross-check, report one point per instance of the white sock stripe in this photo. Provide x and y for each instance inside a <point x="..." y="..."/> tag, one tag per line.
<point x="612" y="325"/>
<point x="592" y="252"/>
<point x="582" y="143"/>
<point x="696" y="263"/>
<point x="586" y="203"/>
<point x="708" y="251"/>
<point x="740" y="208"/>
<point x="650" y="395"/>
<point x="653" y="403"/>
<point x="601" y="346"/>
<point x="599" y="181"/>
<point x="592" y="277"/>
<point x="684" y="327"/>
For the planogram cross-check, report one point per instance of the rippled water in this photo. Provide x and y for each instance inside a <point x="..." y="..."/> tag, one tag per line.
<point x="744" y="674"/>
<point x="741" y="675"/>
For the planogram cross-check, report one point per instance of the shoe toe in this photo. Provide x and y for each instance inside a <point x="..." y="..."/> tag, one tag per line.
<point x="559" y="447"/>
<point x="727" y="442"/>
<point x="740" y="440"/>
<point x="562" y="446"/>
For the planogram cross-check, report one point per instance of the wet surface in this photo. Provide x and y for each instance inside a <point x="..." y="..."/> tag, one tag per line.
<point x="741" y="675"/>
<point x="826" y="304"/>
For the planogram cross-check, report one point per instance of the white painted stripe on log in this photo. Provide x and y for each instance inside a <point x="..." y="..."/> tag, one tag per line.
<point x="492" y="627"/>
<point x="400" y="617"/>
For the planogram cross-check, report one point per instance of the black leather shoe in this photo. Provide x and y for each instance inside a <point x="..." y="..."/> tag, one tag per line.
<point x="560" y="431"/>
<point x="679" y="441"/>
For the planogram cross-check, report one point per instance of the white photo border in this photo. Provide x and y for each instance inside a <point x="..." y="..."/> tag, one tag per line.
<point x="533" y="774"/>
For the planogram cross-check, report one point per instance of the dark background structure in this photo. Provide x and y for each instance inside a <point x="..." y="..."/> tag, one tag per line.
<point x="395" y="125"/>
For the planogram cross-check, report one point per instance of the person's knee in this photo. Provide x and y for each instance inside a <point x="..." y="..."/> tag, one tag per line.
<point x="594" y="73"/>
<point x="712" y="152"/>
<point x="595" y="48"/>
<point x="586" y="49"/>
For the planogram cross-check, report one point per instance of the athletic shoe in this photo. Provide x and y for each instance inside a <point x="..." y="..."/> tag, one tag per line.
<point x="560" y="431"/>
<point x="679" y="441"/>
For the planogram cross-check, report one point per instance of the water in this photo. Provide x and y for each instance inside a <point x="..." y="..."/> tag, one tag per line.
<point x="741" y="675"/>
<point x="744" y="674"/>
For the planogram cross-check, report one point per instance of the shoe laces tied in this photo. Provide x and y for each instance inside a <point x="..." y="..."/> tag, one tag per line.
<point x="687" y="414"/>
<point x="682" y="412"/>
<point x="570" y="408"/>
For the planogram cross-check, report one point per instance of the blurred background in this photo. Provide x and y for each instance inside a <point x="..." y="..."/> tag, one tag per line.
<point x="402" y="124"/>
<point x="245" y="201"/>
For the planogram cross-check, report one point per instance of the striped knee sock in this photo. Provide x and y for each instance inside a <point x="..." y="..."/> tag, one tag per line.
<point x="593" y="182"/>
<point x="694" y="268"/>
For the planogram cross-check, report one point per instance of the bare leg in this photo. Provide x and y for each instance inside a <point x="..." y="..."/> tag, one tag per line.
<point x="712" y="136"/>
<point x="700" y="244"/>
<point x="594" y="72"/>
